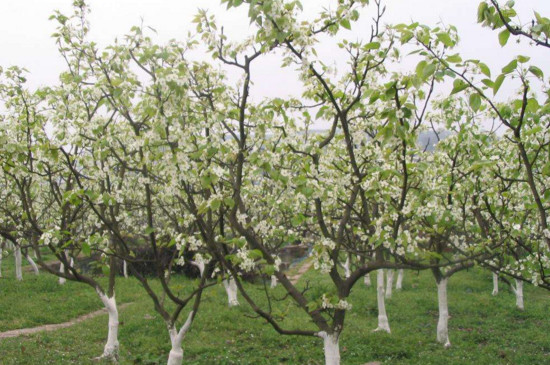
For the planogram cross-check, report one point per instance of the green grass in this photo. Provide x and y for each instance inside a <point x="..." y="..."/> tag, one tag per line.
<point x="483" y="329"/>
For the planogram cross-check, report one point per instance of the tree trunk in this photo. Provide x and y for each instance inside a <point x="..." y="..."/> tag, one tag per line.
<point x="367" y="280"/>
<point x="176" y="338"/>
<point x="125" y="268"/>
<point x="347" y="271"/>
<point x="1" y="254"/>
<point x="389" y="283"/>
<point x="62" y="270"/>
<point x="518" y="291"/>
<point x="399" y="282"/>
<point x="18" y="271"/>
<point x="33" y="264"/>
<point x="331" y="348"/>
<point x="495" y="284"/>
<point x="273" y="281"/>
<point x="110" y="351"/>
<point x="231" y="290"/>
<point x="443" y="323"/>
<point x="383" y="324"/>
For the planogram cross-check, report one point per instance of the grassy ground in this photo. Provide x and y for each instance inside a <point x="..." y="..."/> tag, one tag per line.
<point x="483" y="329"/>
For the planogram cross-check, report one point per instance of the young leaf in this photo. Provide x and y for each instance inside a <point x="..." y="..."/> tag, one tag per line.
<point x="475" y="101"/>
<point x="536" y="71"/>
<point x="458" y="86"/>
<point x="498" y="82"/>
<point x="510" y="67"/>
<point x="503" y="37"/>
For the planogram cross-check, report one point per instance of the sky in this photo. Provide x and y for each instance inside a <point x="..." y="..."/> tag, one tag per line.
<point x="25" y="32"/>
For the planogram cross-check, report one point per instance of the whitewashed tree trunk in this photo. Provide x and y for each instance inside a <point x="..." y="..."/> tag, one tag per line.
<point x="110" y="351"/>
<point x="347" y="270"/>
<point x="399" y="282"/>
<point x="518" y="291"/>
<point x="200" y="265"/>
<point x="389" y="283"/>
<point x="1" y="254"/>
<point x="495" y="284"/>
<point x="443" y="323"/>
<point x="231" y="290"/>
<point x="62" y="270"/>
<point x="383" y="323"/>
<point x="273" y="281"/>
<point x="125" y="268"/>
<point x="331" y="348"/>
<point x="33" y="265"/>
<point x="367" y="280"/>
<point x="18" y="271"/>
<point x="176" y="338"/>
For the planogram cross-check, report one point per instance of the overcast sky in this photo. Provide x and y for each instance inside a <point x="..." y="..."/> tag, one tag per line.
<point x="25" y="31"/>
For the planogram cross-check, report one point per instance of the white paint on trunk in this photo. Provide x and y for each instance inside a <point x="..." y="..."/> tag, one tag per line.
<point x="200" y="265"/>
<point x="110" y="351"/>
<point x="62" y="270"/>
<point x="399" y="282"/>
<point x="518" y="291"/>
<point x="495" y="284"/>
<point x="18" y="271"/>
<point x="389" y="283"/>
<point x="443" y="323"/>
<point x="231" y="290"/>
<point x="273" y="281"/>
<point x="33" y="264"/>
<point x="347" y="271"/>
<point x="176" y="338"/>
<point x="125" y="268"/>
<point x="1" y="254"/>
<point x="367" y="280"/>
<point x="383" y="323"/>
<point x="331" y="348"/>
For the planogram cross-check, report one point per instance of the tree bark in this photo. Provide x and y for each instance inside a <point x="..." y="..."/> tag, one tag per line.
<point x="33" y="264"/>
<point x="518" y="291"/>
<point x="110" y="351"/>
<point x="389" y="283"/>
<point x="347" y="271"/>
<point x="176" y="338"/>
<point x="231" y="290"/>
<point x="331" y="347"/>
<point x="383" y="323"/>
<point x="399" y="282"/>
<point x="367" y="280"/>
<point x="495" y="284"/>
<point x="443" y="323"/>
<point x="18" y="271"/>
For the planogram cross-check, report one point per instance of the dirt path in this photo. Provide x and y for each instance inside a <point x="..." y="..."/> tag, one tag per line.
<point x="53" y="327"/>
<point x="301" y="271"/>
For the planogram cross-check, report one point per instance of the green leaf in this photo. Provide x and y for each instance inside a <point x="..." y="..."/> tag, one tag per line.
<point x="536" y="71"/>
<point x="445" y="38"/>
<point x="454" y="58"/>
<point x="498" y="82"/>
<point x="510" y="67"/>
<point x="484" y="69"/>
<point x="345" y="23"/>
<point x="523" y="59"/>
<point x="475" y="101"/>
<point x="458" y="86"/>
<point x="503" y="37"/>
<point x="429" y="70"/>
<point x="149" y="230"/>
<point x="372" y="45"/>
<point x="86" y="250"/>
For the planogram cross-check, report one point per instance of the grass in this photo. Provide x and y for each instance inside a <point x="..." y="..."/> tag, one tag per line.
<point x="483" y="329"/>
